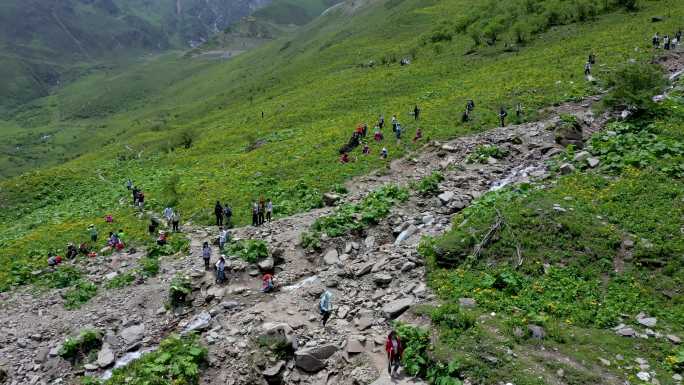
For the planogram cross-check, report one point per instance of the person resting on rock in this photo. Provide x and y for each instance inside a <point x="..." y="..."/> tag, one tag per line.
<point x="267" y="283"/>
<point x="419" y="135"/>
<point x="71" y="251"/>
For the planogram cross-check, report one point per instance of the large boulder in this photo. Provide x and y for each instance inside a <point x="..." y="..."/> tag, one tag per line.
<point x="105" y="357"/>
<point x="273" y="375"/>
<point x="568" y="130"/>
<point x="266" y="264"/>
<point x="331" y="257"/>
<point x="198" y="323"/>
<point x="395" y="308"/>
<point x="133" y="334"/>
<point x="277" y="334"/>
<point x="313" y="359"/>
<point x="446" y="197"/>
<point x="354" y="345"/>
<point x="406" y="234"/>
<point x="381" y="279"/>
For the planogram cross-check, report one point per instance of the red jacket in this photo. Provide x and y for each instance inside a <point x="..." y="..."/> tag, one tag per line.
<point x="388" y="347"/>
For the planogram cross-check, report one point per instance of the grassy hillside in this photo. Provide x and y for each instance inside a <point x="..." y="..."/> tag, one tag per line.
<point x="191" y="132"/>
<point x="574" y="257"/>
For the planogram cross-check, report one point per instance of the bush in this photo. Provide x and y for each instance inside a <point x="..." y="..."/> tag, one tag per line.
<point x="250" y="250"/>
<point x="484" y="152"/>
<point x="77" y="349"/>
<point x="179" y="290"/>
<point x="429" y="185"/>
<point x="79" y="294"/>
<point x="175" y="244"/>
<point x="633" y="86"/>
<point x="149" y="266"/>
<point x="311" y="240"/>
<point x="121" y="280"/>
<point x="355" y="217"/>
<point x="177" y="361"/>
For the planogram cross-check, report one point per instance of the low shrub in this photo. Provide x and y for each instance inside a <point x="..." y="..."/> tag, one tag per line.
<point x="429" y="185"/>
<point x="121" y="280"/>
<point x="179" y="290"/>
<point x="484" y="152"/>
<point x="79" y="294"/>
<point x="249" y="250"/>
<point x="78" y="348"/>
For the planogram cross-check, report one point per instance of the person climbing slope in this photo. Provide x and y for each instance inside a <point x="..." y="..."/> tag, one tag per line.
<point x="269" y="210"/>
<point x="394" y="350"/>
<point x="502" y="116"/>
<point x="168" y="213"/>
<point x="206" y="255"/>
<point x="416" y="112"/>
<point x="223" y="238"/>
<point x="325" y="306"/>
<point x="175" y="222"/>
<point x="221" y="270"/>
<point x="92" y="231"/>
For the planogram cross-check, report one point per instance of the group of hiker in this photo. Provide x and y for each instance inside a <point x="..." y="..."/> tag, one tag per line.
<point x="172" y="218"/>
<point x="115" y="240"/>
<point x="138" y="195"/>
<point x="224" y="214"/>
<point x="669" y="42"/>
<point x="262" y="211"/>
<point x="361" y="133"/>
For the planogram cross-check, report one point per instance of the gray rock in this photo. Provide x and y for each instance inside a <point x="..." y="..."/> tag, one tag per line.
<point x="382" y="279"/>
<point x="331" y="257"/>
<point x="567" y="168"/>
<point x="266" y="264"/>
<point x="674" y="339"/>
<point x="363" y="323"/>
<point x="105" y="357"/>
<point x="369" y="242"/>
<point x="408" y="266"/>
<point x="406" y="234"/>
<point x="626" y="332"/>
<point x="364" y="269"/>
<point x="446" y="197"/>
<point x="133" y="334"/>
<point x="230" y="305"/>
<point x="467" y="303"/>
<point x="581" y="156"/>
<point x="354" y="346"/>
<point x="395" y="308"/>
<point x="313" y="359"/>
<point x="644" y="376"/>
<point x="593" y="162"/>
<point x="649" y="322"/>
<point x="428" y="219"/>
<point x="604" y="362"/>
<point x="215" y="292"/>
<point x="308" y="362"/>
<point x="537" y="331"/>
<point x="111" y="275"/>
<point x="272" y="375"/>
<point x="331" y="199"/>
<point x="198" y="322"/>
<point x="677" y="377"/>
<point x="277" y="333"/>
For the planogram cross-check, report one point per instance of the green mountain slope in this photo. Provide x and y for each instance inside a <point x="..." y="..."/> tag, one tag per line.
<point x="190" y="132"/>
<point x="46" y="43"/>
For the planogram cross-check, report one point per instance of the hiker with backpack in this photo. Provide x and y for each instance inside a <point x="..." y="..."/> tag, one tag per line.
<point x="381" y="122"/>
<point x="394" y="350"/>
<point x="397" y="132"/>
<point x="587" y="69"/>
<point x="141" y="200"/>
<point x="666" y="42"/>
<point x="394" y="123"/>
<point x="592" y="58"/>
<point x="502" y="116"/>
<point x="384" y="153"/>
<point x="206" y="255"/>
<point x="135" y="192"/>
<point x="656" y="40"/>
<point x="218" y="212"/>
<point x="175" y="222"/>
<point x="228" y="215"/>
<point x="325" y="306"/>
<point x="416" y="112"/>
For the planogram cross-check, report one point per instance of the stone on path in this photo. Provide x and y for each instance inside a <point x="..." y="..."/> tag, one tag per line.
<point x="105" y="356"/>
<point x="331" y="257"/>
<point x="133" y="334"/>
<point x="395" y="308"/>
<point x="446" y="197"/>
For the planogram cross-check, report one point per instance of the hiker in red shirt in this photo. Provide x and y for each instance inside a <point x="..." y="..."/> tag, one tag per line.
<point x="394" y="351"/>
<point x="267" y="283"/>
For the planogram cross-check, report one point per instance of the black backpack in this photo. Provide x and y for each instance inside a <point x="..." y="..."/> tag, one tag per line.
<point x="228" y="212"/>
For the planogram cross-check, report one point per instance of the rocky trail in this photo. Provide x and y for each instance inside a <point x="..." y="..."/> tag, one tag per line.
<point x="374" y="278"/>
